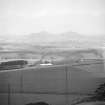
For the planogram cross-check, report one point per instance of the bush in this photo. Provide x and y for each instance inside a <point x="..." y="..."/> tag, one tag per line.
<point x="38" y="103"/>
<point x="100" y="93"/>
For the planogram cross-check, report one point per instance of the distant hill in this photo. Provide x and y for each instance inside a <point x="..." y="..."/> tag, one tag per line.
<point x="64" y="40"/>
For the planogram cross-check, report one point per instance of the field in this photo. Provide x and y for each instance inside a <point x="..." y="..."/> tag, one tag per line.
<point x="56" y="85"/>
<point x="74" y="74"/>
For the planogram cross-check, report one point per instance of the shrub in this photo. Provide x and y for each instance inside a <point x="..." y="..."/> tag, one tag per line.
<point x="38" y="103"/>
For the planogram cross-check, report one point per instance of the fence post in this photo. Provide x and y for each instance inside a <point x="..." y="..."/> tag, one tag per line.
<point x="66" y="86"/>
<point x="9" y="94"/>
<point x="21" y="82"/>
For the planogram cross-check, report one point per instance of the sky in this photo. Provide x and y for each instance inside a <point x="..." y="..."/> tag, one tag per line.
<point x="19" y="17"/>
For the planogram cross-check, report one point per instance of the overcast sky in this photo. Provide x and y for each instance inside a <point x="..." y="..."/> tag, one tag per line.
<point x="19" y="17"/>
